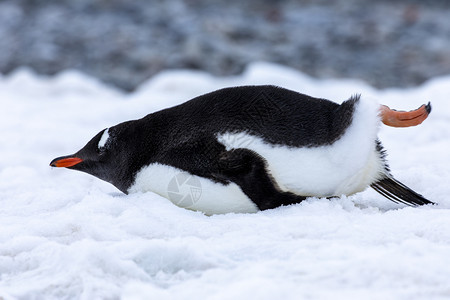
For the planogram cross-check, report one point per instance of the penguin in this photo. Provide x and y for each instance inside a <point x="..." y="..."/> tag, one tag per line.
<point x="250" y="148"/>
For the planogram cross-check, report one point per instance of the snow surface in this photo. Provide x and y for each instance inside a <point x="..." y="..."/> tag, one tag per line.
<point x="65" y="234"/>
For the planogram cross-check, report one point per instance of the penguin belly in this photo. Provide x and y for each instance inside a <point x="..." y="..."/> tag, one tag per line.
<point x="192" y="192"/>
<point x="347" y="166"/>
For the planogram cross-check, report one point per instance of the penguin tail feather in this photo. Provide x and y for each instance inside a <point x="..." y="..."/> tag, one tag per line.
<point x="398" y="192"/>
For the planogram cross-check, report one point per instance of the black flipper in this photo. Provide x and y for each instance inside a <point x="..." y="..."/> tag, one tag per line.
<point x="398" y="192"/>
<point x="248" y="170"/>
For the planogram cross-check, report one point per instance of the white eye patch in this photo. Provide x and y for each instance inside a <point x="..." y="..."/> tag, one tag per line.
<point x="103" y="139"/>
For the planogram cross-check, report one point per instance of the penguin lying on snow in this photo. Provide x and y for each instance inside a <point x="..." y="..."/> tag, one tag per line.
<point x="250" y="148"/>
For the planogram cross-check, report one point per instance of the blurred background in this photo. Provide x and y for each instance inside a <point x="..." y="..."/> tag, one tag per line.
<point x="123" y="43"/>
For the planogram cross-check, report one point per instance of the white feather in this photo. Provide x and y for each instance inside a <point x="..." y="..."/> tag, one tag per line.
<point x="103" y="139"/>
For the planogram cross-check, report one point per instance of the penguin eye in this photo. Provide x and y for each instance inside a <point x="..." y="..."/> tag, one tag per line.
<point x="101" y="150"/>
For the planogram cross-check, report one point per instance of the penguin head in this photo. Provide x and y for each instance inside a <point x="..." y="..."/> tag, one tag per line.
<point x="106" y="156"/>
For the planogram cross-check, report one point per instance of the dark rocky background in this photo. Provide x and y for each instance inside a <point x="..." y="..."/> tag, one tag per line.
<point x="386" y="43"/>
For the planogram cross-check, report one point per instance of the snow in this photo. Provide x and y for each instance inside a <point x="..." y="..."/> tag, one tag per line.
<point x="68" y="235"/>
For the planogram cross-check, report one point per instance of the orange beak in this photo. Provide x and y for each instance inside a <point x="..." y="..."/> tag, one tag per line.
<point x="64" y="162"/>
<point x="394" y="118"/>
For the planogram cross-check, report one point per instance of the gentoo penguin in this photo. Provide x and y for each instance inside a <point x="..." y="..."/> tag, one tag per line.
<point x="250" y="148"/>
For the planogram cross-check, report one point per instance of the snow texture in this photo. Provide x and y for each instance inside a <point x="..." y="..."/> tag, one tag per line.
<point x="68" y="235"/>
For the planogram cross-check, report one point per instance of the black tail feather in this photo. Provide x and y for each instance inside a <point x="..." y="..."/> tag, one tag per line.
<point x="398" y="192"/>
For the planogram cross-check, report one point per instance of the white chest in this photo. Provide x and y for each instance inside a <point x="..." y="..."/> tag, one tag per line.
<point x="192" y="192"/>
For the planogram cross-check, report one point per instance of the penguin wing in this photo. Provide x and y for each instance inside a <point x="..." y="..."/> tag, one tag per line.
<point x="398" y="192"/>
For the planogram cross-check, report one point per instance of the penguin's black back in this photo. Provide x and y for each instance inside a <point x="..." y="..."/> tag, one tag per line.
<point x="277" y="115"/>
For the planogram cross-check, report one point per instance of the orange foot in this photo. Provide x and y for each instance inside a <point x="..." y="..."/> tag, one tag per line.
<point x="394" y="118"/>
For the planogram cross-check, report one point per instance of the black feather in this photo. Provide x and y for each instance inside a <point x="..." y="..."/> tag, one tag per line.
<point x="398" y="192"/>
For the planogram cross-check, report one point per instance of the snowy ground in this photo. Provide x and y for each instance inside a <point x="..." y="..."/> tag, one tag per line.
<point x="65" y="234"/>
